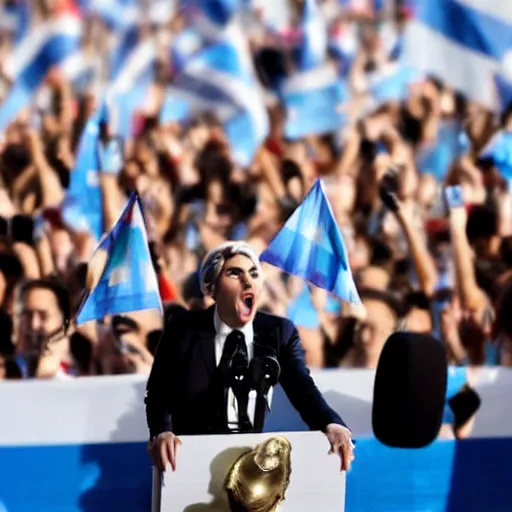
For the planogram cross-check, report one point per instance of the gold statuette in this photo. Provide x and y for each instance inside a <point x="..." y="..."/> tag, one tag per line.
<point x="258" y="480"/>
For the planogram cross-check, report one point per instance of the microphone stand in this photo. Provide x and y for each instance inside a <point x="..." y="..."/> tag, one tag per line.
<point x="264" y="374"/>
<point x="239" y="383"/>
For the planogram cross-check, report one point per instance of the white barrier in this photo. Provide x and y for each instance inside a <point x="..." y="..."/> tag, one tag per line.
<point x="80" y="446"/>
<point x="111" y="409"/>
<point x="197" y="485"/>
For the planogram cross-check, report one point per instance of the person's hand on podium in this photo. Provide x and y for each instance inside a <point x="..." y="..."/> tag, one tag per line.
<point x="164" y="450"/>
<point x="341" y="443"/>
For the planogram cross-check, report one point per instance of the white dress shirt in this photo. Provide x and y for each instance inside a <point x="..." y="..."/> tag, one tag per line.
<point x="222" y="330"/>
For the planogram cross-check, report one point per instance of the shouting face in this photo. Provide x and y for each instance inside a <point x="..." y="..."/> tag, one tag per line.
<point x="237" y="291"/>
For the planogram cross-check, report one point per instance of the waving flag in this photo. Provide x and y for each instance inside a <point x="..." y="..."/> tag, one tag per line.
<point x="15" y="18"/>
<point x="392" y="83"/>
<point x="211" y="17"/>
<point x="43" y="47"/>
<point x="83" y="205"/>
<point x="498" y="151"/>
<point x="129" y="91"/>
<point x="184" y="46"/>
<point x="504" y="90"/>
<point x="310" y="246"/>
<point x="463" y="42"/>
<point x="81" y="69"/>
<point x="128" y="282"/>
<point x="312" y="51"/>
<point x="314" y="94"/>
<point x="435" y="157"/>
<point x="315" y="102"/>
<point x="119" y="15"/>
<point x="220" y="79"/>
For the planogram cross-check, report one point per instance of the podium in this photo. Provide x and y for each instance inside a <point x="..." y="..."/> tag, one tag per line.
<point x="198" y="484"/>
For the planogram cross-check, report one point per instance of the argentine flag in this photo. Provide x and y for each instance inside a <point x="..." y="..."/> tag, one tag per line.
<point x="314" y="95"/>
<point x="465" y="43"/>
<point x="220" y="79"/>
<point x="128" y="282"/>
<point x="310" y="245"/>
<point x="43" y="47"/>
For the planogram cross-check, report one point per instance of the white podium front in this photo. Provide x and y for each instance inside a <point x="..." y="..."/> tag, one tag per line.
<point x="197" y="485"/>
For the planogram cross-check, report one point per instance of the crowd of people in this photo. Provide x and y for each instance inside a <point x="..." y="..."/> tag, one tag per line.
<point x="418" y="265"/>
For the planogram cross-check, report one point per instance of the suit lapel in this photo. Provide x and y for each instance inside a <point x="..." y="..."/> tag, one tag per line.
<point x="265" y="339"/>
<point x="206" y="335"/>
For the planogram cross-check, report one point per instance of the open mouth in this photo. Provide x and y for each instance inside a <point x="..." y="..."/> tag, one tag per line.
<point x="247" y="304"/>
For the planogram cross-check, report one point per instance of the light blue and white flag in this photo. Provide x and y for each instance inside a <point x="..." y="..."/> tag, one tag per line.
<point x="211" y="17"/>
<point x="129" y="282"/>
<point x="221" y="79"/>
<point x="129" y="90"/>
<point x="82" y="69"/>
<point x="314" y="94"/>
<point x="504" y="92"/>
<point x="82" y="209"/>
<point x="392" y="82"/>
<point x="15" y="19"/>
<point x="463" y="42"/>
<point x="310" y="245"/>
<point x="315" y="102"/>
<point x="118" y="15"/>
<point x="313" y="50"/>
<point x="186" y="44"/>
<point x="45" y="46"/>
<point x="435" y="156"/>
<point x="499" y="151"/>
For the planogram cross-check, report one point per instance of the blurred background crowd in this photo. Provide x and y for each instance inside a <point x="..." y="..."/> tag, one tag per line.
<point x="217" y="159"/>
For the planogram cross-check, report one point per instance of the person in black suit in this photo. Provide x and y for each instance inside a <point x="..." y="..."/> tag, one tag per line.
<point x="186" y="391"/>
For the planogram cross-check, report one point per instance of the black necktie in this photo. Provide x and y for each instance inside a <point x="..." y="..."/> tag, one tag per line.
<point x="235" y="354"/>
<point x="234" y="344"/>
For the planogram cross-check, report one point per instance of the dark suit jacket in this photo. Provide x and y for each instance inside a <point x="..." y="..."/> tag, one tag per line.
<point x="181" y="395"/>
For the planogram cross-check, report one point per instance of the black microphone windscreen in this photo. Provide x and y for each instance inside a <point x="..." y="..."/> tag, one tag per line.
<point x="409" y="391"/>
<point x="263" y="373"/>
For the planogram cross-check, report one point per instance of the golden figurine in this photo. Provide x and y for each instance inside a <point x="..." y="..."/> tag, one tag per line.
<point x="258" y="480"/>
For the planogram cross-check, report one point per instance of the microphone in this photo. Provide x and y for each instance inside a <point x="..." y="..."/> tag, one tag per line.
<point x="238" y="366"/>
<point x="410" y="390"/>
<point x="237" y="369"/>
<point x="264" y="373"/>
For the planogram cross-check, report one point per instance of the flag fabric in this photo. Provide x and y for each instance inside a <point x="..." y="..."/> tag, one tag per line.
<point x="504" y="92"/>
<point x="129" y="89"/>
<point x="313" y="50"/>
<point x="221" y="79"/>
<point x="81" y="69"/>
<point x="392" y="83"/>
<point x="463" y="42"/>
<point x="211" y="17"/>
<point x="43" y="47"/>
<point x="116" y="14"/>
<point x="187" y="43"/>
<point x="310" y="245"/>
<point x="15" y="19"/>
<point x="313" y="95"/>
<point x="83" y="205"/>
<point x="315" y="102"/>
<point x="435" y="156"/>
<point x="499" y="151"/>
<point x="129" y="282"/>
